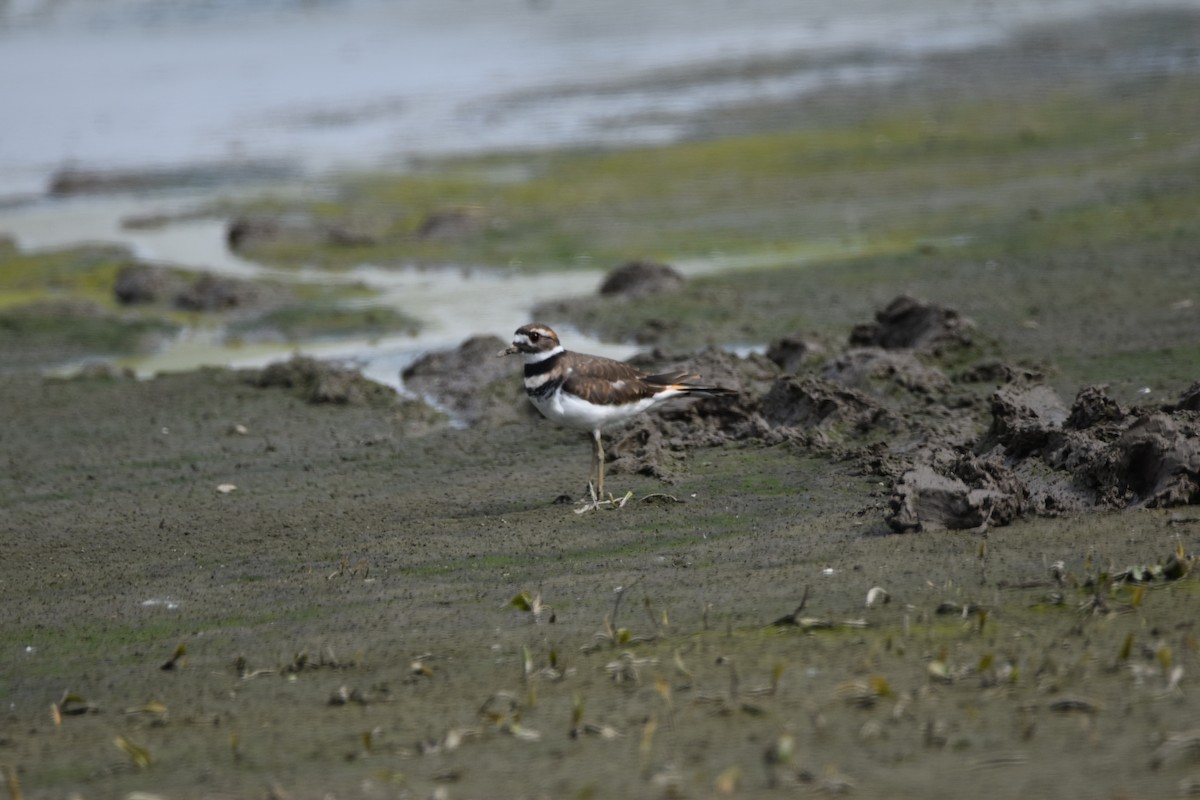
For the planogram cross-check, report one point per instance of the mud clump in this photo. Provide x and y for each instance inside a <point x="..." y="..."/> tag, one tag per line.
<point x="791" y="353"/>
<point x="651" y="443"/>
<point x="808" y="402"/>
<point x="1024" y="419"/>
<point x="640" y="278"/>
<point x="996" y="371"/>
<point x="955" y="491"/>
<point x="247" y="232"/>
<point x="822" y="408"/>
<point x="145" y="284"/>
<point x="1155" y="463"/>
<point x="1121" y="457"/>
<point x="139" y="284"/>
<point x="1039" y="459"/>
<point x="471" y="383"/>
<point x="960" y="463"/>
<point x="320" y="382"/>
<point x="1093" y="408"/>
<point x="631" y="281"/>
<point x="908" y="323"/>
<point x="1189" y="401"/>
<point x="863" y="367"/>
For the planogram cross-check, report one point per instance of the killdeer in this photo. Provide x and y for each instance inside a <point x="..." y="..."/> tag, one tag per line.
<point x="591" y="392"/>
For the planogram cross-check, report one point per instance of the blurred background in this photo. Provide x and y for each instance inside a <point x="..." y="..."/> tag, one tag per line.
<point x="250" y="141"/>
<point x="329" y="83"/>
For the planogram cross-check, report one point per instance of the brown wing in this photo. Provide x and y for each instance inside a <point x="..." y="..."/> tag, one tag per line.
<point x="604" y="368"/>
<point x="599" y="390"/>
<point x="608" y="380"/>
<point x="605" y="379"/>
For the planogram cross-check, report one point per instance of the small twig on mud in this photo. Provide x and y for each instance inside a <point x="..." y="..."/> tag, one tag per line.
<point x="611" y="502"/>
<point x="178" y="658"/>
<point x="794" y="617"/>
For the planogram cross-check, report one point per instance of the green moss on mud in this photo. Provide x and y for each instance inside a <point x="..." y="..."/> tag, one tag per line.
<point x="78" y="273"/>
<point x="847" y="186"/>
<point x="58" y="306"/>
<point x="328" y="319"/>
<point x="34" y="335"/>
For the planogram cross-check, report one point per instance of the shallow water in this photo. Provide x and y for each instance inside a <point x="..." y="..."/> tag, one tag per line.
<point x="452" y="303"/>
<point x="443" y="299"/>
<point x="137" y="83"/>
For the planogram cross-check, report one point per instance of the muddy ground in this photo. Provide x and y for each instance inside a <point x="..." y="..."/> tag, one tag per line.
<point x="290" y="583"/>
<point x="341" y="622"/>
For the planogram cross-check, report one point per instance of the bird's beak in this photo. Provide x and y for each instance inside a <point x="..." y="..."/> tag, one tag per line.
<point x="508" y="351"/>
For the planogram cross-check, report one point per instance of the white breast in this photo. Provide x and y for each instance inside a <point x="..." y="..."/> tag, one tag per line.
<point x="569" y="410"/>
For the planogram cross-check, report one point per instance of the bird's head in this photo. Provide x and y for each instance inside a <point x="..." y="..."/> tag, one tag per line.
<point x="535" y="341"/>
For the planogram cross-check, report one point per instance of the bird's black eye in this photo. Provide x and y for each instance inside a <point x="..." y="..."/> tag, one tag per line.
<point x="534" y="336"/>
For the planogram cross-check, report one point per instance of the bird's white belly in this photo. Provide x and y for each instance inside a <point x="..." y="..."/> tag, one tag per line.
<point x="568" y="410"/>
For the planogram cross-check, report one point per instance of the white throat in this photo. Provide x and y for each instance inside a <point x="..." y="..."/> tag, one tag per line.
<point x="537" y="358"/>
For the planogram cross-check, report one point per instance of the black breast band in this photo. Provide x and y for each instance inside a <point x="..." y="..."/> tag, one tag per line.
<point x="543" y="366"/>
<point x="545" y="390"/>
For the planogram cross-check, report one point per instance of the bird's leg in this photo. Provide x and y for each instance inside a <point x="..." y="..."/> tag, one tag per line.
<point x="592" y="479"/>
<point x="599" y="463"/>
<point x="596" y="490"/>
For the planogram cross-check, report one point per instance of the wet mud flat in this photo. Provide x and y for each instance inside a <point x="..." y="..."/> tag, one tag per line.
<point x="289" y="582"/>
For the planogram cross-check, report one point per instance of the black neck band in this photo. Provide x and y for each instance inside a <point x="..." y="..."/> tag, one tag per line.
<point x="543" y="366"/>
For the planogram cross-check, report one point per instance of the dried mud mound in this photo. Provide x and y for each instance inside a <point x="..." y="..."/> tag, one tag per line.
<point x="470" y="383"/>
<point x="960" y="456"/>
<point x="967" y="446"/>
<point x="955" y="491"/>
<point x="791" y="353"/>
<point x="322" y="382"/>
<point x="629" y="281"/>
<point x="1039" y="458"/>
<point x="640" y="278"/>
<point x="909" y="323"/>
<point x="848" y="406"/>
<point x="139" y="284"/>
<point x="1190" y="400"/>
<point x="653" y="442"/>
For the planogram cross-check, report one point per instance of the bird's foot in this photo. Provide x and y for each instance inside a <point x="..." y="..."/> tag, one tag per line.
<point x="594" y="503"/>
